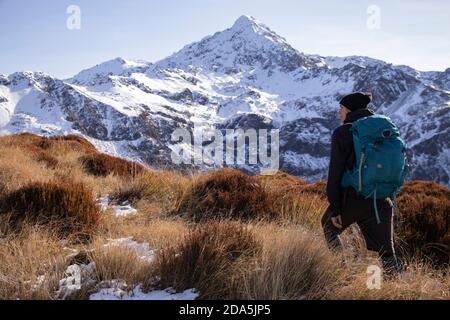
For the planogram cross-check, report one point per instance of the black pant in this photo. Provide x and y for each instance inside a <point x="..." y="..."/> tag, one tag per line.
<point x="378" y="237"/>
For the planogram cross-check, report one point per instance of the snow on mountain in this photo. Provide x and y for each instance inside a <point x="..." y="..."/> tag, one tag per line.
<point x="246" y="76"/>
<point x="437" y="79"/>
<point x="340" y="62"/>
<point x="117" y="67"/>
<point x="248" y="44"/>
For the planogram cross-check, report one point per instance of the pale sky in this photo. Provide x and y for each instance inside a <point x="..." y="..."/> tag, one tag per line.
<point x="34" y="35"/>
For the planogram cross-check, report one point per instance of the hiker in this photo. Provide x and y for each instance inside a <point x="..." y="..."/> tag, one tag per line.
<point x="347" y="203"/>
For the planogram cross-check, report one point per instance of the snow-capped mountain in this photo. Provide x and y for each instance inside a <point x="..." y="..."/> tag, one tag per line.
<point x="244" y="77"/>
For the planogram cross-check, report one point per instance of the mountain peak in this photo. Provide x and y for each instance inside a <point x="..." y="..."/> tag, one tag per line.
<point x="245" y="21"/>
<point x="247" y="44"/>
<point x="249" y="25"/>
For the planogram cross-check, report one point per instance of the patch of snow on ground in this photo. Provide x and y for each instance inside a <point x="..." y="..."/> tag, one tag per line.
<point x="121" y="210"/>
<point x="117" y="291"/>
<point x="142" y="250"/>
<point x="103" y="202"/>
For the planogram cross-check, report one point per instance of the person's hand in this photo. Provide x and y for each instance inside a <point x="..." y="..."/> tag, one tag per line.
<point x="337" y="221"/>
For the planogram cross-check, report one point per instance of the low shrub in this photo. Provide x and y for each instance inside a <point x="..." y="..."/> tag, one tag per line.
<point x="68" y="208"/>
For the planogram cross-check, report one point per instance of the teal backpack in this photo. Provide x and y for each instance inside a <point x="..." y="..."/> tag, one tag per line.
<point x="381" y="166"/>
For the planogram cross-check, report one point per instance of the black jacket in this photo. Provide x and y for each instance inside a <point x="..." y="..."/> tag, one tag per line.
<point x="342" y="158"/>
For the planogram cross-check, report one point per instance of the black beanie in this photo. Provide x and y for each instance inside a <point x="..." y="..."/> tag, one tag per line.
<point x="356" y="100"/>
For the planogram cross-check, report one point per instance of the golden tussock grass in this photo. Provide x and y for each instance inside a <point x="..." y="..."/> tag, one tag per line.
<point x="114" y="261"/>
<point x="425" y="222"/>
<point x="418" y="282"/>
<point x="69" y="209"/>
<point x="101" y="164"/>
<point x="226" y="194"/>
<point x="294" y="264"/>
<point x="164" y="188"/>
<point x="207" y="258"/>
<point x="258" y="238"/>
<point x="294" y="201"/>
<point x="158" y="232"/>
<point x="32" y="263"/>
<point x="18" y="169"/>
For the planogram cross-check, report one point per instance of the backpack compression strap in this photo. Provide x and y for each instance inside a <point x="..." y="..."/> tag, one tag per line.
<point x="374" y="192"/>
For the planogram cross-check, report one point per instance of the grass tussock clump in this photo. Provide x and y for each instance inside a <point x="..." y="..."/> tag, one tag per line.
<point x="43" y="157"/>
<point x="143" y="185"/>
<point x="18" y="168"/>
<point x="424" y="214"/>
<point x="316" y="189"/>
<point x="74" y="142"/>
<point x="120" y="262"/>
<point x="164" y="188"/>
<point x="294" y="264"/>
<point x="301" y="210"/>
<point x="70" y="142"/>
<point x="69" y="208"/>
<point x="32" y="262"/>
<point x="207" y="258"/>
<point x="226" y="194"/>
<point x="427" y="188"/>
<point x="294" y="200"/>
<point x="100" y="164"/>
<point x="40" y="155"/>
<point x="281" y="181"/>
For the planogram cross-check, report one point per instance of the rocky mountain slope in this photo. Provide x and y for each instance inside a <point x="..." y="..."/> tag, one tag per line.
<point x="244" y="77"/>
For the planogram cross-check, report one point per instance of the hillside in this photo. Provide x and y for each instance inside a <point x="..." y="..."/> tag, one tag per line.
<point x="79" y="224"/>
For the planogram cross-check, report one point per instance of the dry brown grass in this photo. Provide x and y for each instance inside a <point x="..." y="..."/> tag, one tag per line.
<point x="275" y="249"/>
<point x="69" y="208"/>
<point x="281" y="181"/>
<point x="18" y="168"/>
<point x="46" y="149"/>
<point x="207" y="258"/>
<point x="427" y="188"/>
<point x="160" y="233"/>
<point x="419" y="282"/>
<point x="294" y="200"/>
<point x="27" y="158"/>
<point x="293" y="206"/>
<point x="226" y="194"/>
<point x="69" y="142"/>
<point x="318" y="189"/>
<point x="425" y="219"/>
<point x="294" y="264"/>
<point x="54" y="144"/>
<point x="31" y="263"/>
<point x="164" y="188"/>
<point x="101" y="164"/>
<point x="120" y="262"/>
